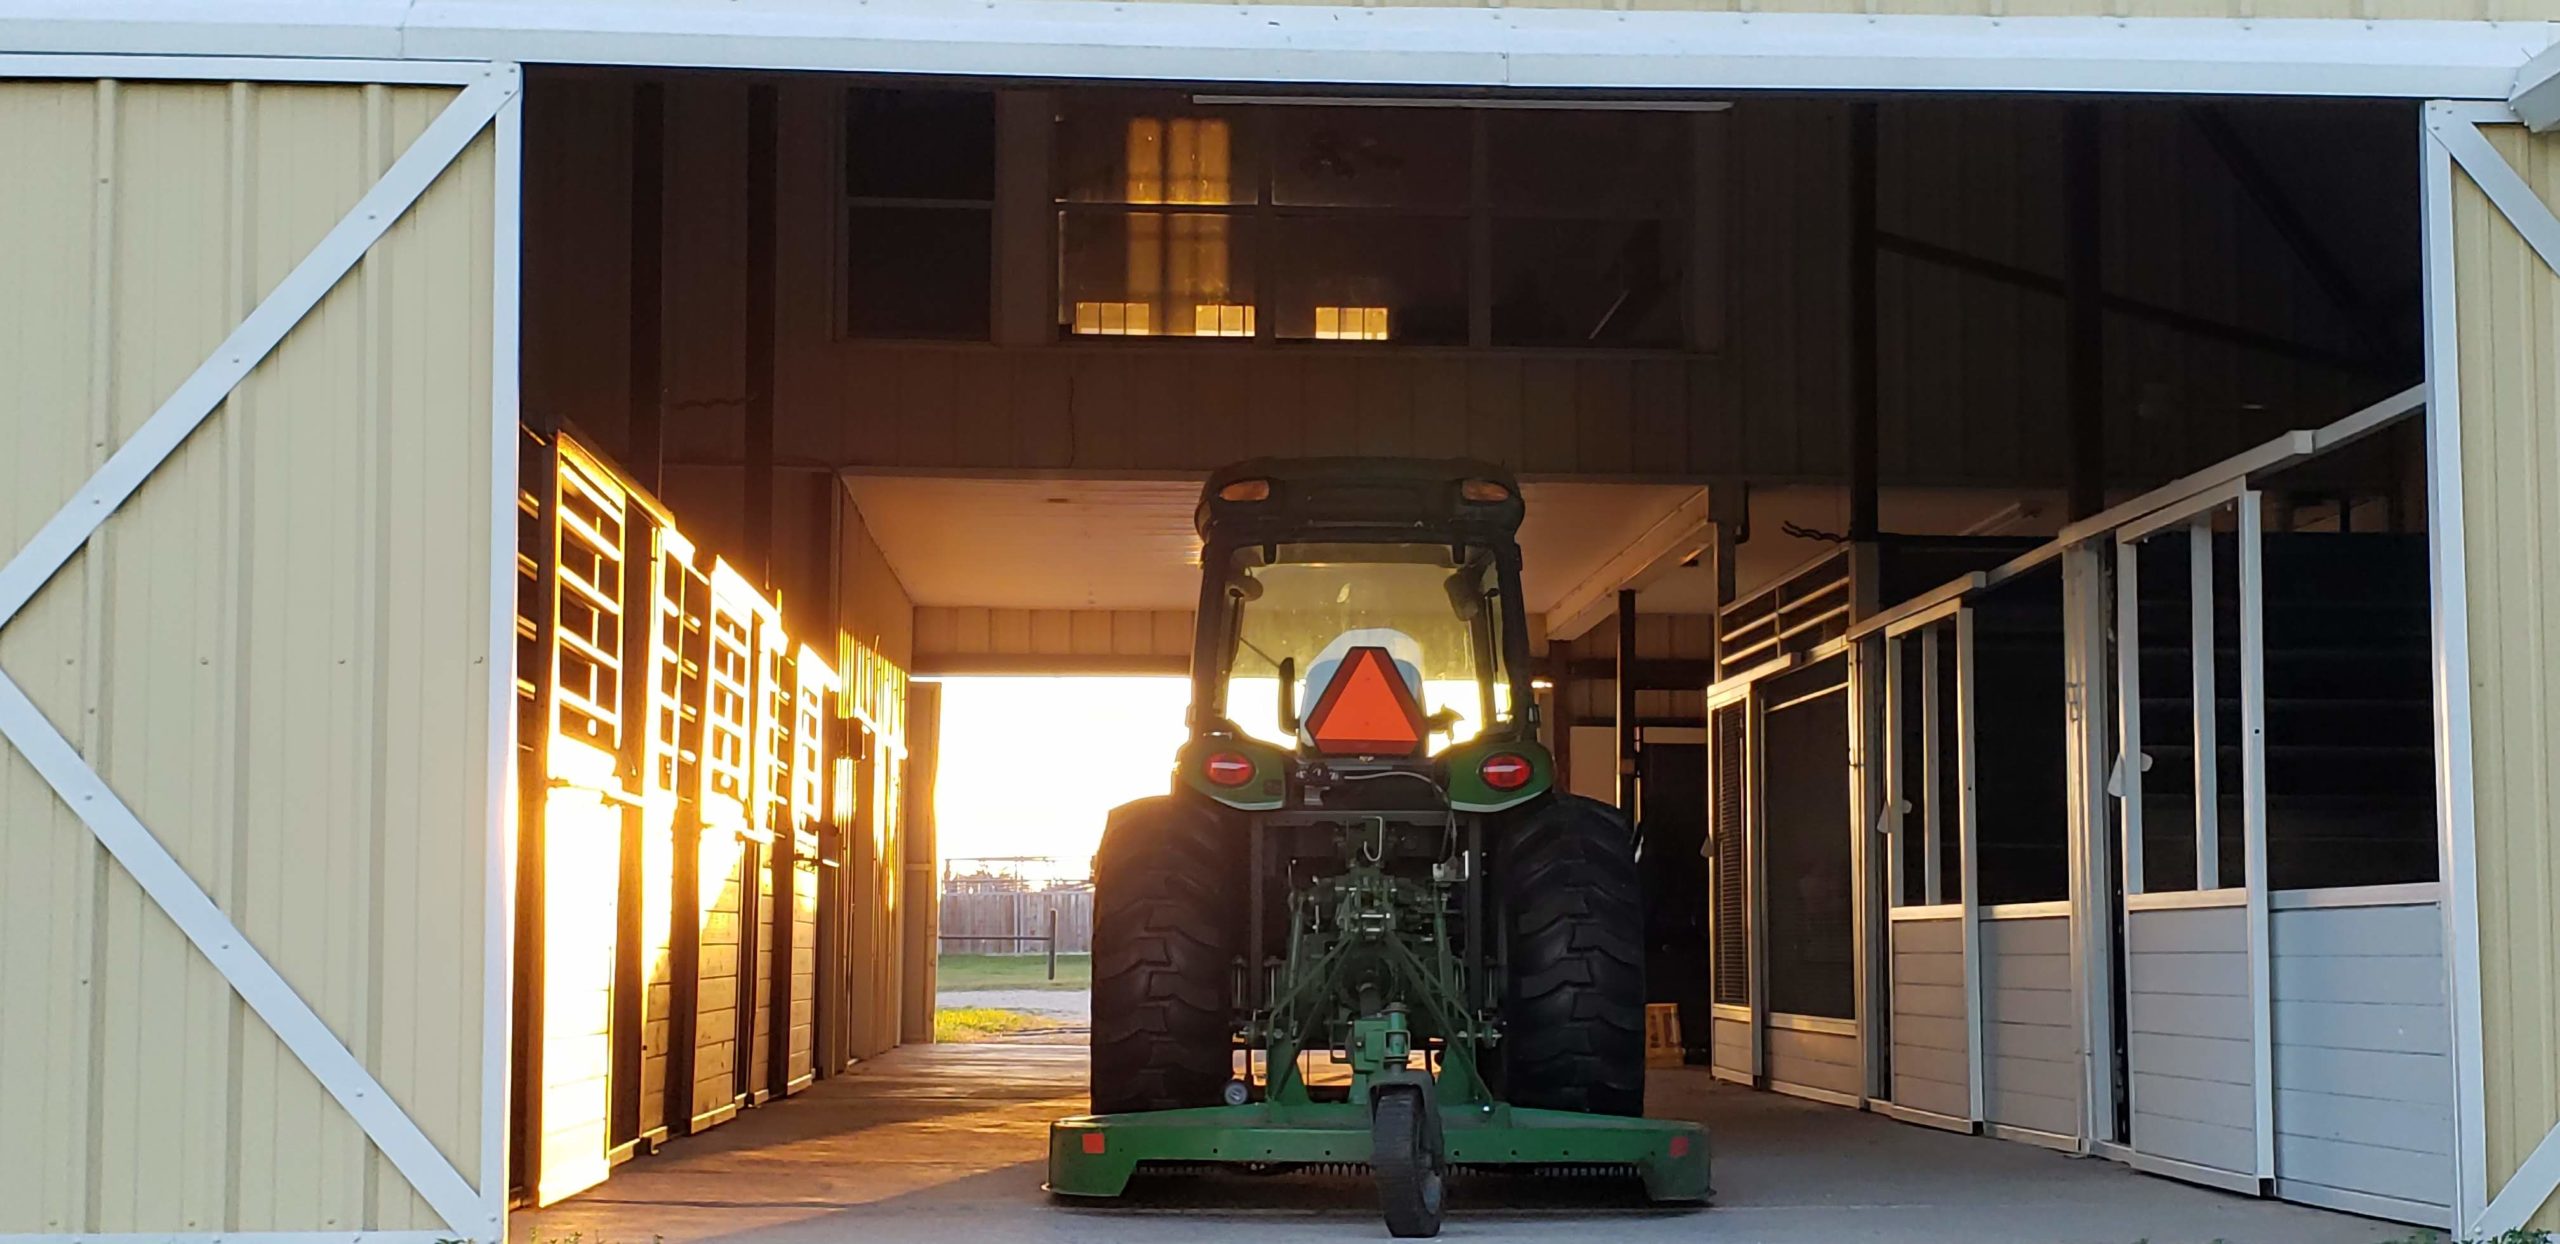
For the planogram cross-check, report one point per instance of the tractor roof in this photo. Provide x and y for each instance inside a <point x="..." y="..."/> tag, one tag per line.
<point x="1360" y="499"/>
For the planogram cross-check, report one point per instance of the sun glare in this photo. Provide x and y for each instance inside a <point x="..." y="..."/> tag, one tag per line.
<point x="1031" y="766"/>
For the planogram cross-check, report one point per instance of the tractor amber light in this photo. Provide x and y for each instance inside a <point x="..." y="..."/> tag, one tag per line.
<point x="1484" y="490"/>
<point x="1228" y="768"/>
<point x="1504" y="771"/>
<point x="1246" y="490"/>
<point x="1093" y="1142"/>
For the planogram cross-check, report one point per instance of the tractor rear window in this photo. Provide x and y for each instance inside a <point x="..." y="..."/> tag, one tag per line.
<point x="1439" y="622"/>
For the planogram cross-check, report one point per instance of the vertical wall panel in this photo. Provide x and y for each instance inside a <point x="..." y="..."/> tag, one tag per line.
<point x="275" y="653"/>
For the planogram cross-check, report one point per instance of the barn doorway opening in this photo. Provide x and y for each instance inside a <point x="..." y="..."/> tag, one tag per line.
<point x="1814" y="403"/>
<point x="1031" y="767"/>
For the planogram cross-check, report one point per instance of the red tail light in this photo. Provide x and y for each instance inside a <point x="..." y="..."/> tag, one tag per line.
<point x="1228" y="768"/>
<point x="1505" y="771"/>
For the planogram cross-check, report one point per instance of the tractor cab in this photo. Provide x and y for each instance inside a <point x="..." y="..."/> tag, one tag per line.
<point x="1360" y="618"/>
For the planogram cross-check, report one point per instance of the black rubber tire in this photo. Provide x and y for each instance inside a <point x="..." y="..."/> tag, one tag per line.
<point x="1408" y="1164"/>
<point x="1165" y="931"/>
<point x="1574" y="1002"/>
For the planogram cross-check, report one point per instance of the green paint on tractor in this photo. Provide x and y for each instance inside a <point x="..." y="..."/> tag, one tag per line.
<point x="1390" y="884"/>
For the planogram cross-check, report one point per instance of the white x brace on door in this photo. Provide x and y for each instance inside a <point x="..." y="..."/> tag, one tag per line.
<point x="488" y="98"/>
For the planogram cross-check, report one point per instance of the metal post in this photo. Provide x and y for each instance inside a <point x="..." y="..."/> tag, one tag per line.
<point x="1053" y="939"/>
<point x="1932" y="776"/>
<point x="763" y="171"/>
<point x="2092" y="891"/>
<point x="647" y="336"/>
<point x="1969" y="863"/>
<point x="1865" y="403"/>
<point x="1627" y="791"/>
<point x="2128" y="764"/>
<point x="2084" y="320"/>
<point x="2208" y="747"/>
<point x="2253" y="828"/>
<point x="1895" y="761"/>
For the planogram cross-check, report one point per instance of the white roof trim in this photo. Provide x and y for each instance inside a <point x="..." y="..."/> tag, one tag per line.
<point x="1385" y="46"/>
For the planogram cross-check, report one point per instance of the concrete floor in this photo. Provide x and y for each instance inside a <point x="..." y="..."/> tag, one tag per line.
<point x="945" y="1144"/>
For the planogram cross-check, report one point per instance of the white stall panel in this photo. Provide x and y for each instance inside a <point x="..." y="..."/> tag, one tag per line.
<point x="2030" y="1035"/>
<point x="1930" y="1058"/>
<point x="2364" y="1088"/>
<point x="2188" y="1017"/>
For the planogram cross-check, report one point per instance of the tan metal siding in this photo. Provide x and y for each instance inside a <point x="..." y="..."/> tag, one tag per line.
<point x="2509" y="321"/>
<point x="275" y="653"/>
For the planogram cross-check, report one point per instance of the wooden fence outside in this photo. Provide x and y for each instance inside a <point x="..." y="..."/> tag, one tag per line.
<point x="982" y="922"/>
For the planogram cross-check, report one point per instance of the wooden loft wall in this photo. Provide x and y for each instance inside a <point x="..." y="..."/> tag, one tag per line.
<point x="2218" y="333"/>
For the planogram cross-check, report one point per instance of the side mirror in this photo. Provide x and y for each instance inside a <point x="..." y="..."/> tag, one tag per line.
<point x="1289" y="694"/>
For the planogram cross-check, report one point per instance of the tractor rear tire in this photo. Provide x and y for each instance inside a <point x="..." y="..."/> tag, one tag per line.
<point x="1165" y="932"/>
<point x="1574" y="907"/>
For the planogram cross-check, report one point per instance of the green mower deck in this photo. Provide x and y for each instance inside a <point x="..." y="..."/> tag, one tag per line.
<point x="1094" y="1155"/>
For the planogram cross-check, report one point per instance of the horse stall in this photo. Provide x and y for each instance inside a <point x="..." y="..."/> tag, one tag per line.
<point x="674" y="778"/>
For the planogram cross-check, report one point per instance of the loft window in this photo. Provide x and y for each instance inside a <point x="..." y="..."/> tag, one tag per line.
<point x="919" y="184"/>
<point x="1328" y="223"/>
<point x="1149" y="242"/>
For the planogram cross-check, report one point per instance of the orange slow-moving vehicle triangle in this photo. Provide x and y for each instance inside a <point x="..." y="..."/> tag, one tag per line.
<point x="1366" y="710"/>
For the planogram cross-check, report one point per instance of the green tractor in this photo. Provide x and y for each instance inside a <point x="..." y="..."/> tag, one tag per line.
<point x="1372" y="932"/>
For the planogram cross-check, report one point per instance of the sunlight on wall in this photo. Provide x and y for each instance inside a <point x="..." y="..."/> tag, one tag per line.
<point x="1031" y="766"/>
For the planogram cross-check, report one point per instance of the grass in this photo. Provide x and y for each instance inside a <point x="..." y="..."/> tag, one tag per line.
<point x="1012" y="972"/>
<point x="981" y="1023"/>
<point x="2527" y="1235"/>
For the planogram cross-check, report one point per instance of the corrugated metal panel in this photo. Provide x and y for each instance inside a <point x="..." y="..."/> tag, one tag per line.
<point x="2509" y="322"/>
<point x="2473" y="10"/>
<point x="276" y="653"/>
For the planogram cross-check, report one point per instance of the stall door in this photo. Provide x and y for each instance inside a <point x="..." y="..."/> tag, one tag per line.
<point x="1933" y="944"/>
<point x="2190" y="781"/>
<point x="582" y="831"/>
